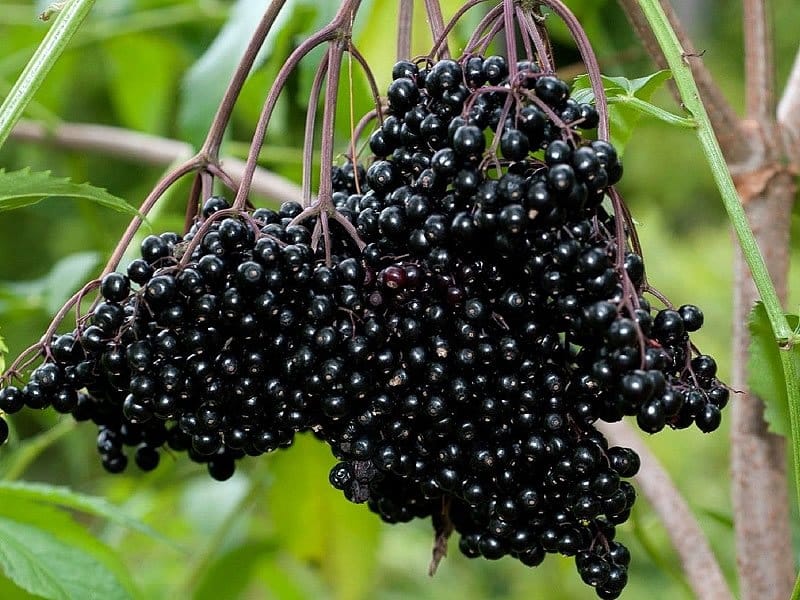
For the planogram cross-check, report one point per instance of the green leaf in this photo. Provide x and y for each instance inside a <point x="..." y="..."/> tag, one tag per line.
<point x="628" y="100"/>
<point x="23" y="188"/>
<point x="723" y="518"/>
<point x="45" y="552"/>
<point x="67" y="498"/>
<point x="765" y="376"/>
<point x="232" y="572"/>
<point x="314" y="525"/>
<point x="143" y="71"/>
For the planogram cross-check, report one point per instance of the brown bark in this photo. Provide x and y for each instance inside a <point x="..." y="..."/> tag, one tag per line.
<point x="757" y="156"/>
<point x="758" y="458"/>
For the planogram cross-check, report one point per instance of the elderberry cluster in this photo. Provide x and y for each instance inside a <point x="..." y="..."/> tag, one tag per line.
<point x="455" y="357"/>
<point x="189" y="348"/>
<point x="511" y="317"/>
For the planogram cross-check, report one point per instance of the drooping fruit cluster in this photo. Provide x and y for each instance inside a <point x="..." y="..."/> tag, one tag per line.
<point x="456" y="365"/>
<point x="189" y="348"/>
<point x="513" y="319"/>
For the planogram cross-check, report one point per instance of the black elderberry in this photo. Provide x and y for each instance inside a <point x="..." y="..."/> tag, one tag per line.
<point x="558" y="152"/>
<point x="153" y="249"/>
<point x="514" y="144"/>
<point x="692" y="317"/>
<point x="403" y="94"/>
<point x="114" y="462"/>
<point x="668" y="325"/>
<point x="495" y="69"/>
<point x="404" y="68"/>
<point x="444" y="75"/>
<point x="468" y="141"/>
<point x="115" y="287"/>
<point x="221" y="468"/>
<point x="552" y="90"/>
<point x="140" y="271"/>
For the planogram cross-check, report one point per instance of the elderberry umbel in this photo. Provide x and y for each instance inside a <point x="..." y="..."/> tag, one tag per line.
<point x="456" y="365"/>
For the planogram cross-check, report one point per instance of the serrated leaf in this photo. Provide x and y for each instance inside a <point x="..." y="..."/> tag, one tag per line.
<point x="43" y="551"/>
<point x="59" y="496"/>
<point x="25" y="187"/>
<point x="765" y="376"/>
<point x="628" y="100"/>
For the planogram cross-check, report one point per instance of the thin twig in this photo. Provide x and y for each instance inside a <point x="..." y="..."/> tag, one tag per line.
<point x="697" y="558"/>
<point x="405" y="18"/>
<point x="145" y="149"/>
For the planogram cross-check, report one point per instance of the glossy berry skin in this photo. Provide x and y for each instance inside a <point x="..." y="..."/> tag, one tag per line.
<point x="3" y="431"/>
<point x="115" y="287"/>
<point x="455" y="357"/>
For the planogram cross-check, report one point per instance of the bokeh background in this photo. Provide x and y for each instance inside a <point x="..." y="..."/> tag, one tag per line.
<point x="277" y="529"/>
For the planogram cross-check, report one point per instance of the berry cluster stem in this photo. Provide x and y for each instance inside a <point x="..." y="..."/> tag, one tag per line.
<point x="223" y="115"/>
<point x="54" y="43"/>
<point x="690" y="95"/>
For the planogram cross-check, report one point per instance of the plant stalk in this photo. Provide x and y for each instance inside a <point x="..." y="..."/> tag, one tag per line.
<point x="54" y="43"/>
<point x="678" y="61"/>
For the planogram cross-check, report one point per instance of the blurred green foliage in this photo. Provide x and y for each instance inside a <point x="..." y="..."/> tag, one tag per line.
<point x="277" y="529"/>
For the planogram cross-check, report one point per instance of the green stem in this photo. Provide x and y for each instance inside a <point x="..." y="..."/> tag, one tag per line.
<point x="690" y="96"/>
<point x="58" y="36"/>
<point x="783" y="332"/>
<point x="653" y="111"/>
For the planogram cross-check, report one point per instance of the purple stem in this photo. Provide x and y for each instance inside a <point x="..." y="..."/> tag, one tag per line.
<point x="213" y="139"/>
<point x="589" y="59"/>
<point x="483" y="25"/>
<point x="438" y="30"/>
<point x="340" y="23"/>
<point x="511" y="38"/>
<point x="451" y="24"/>
<point x="311" y="119"/>
<point x="542" y="51"/>
<point x="405" y="18"/>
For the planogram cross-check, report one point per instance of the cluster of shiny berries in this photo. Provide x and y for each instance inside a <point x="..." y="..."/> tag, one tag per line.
<point x="456" y="364"/>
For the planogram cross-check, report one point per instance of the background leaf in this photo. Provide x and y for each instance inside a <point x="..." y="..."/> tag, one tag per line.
<point x="313" y="523"/>
<point x="205" y="82"/>
<point x="49" y="293"/>
<point x="19" y="491"/>
<point x="143" y="69"/>
<point x="24" y="187"/>
<point x="765" y="372"/>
